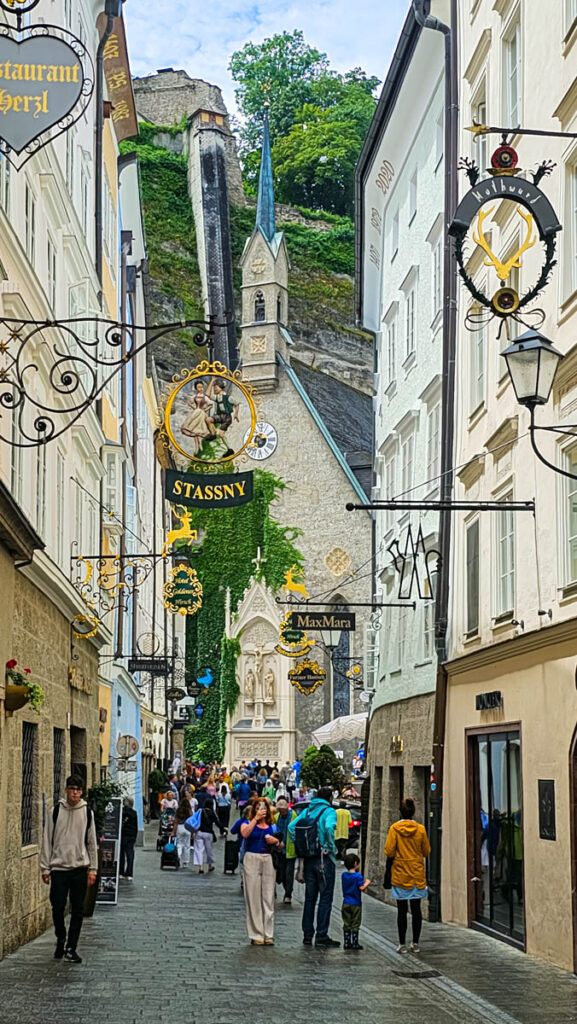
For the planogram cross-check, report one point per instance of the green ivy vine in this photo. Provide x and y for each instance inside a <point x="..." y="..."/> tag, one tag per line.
<point x="228" y="562"/>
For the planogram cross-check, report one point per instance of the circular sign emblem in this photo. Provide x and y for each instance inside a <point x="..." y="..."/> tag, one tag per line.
<point x="210" y="415"/>
<point x="263" y="442"/>
<point x="175" y="693"/>
<point x="183" y="591"/>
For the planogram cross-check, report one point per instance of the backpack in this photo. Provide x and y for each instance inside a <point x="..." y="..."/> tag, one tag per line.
<point x="307" y="839"/>
<point x="56" y="812"/>
<point x="192" y="824"/>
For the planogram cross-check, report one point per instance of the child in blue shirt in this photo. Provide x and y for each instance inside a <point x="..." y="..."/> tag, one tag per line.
<point x="353" y="885"/>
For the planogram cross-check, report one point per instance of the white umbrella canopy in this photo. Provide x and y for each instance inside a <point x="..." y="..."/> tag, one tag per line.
<point x="348" y="727"/>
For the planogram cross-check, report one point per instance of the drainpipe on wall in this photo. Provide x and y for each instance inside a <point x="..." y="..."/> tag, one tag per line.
<point x="447" y="437"/>
<point x="112" y="9"/>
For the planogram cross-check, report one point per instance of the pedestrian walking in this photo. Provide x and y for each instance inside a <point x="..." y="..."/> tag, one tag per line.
<point x="205" y="837"/>
<point x="69" y="862"/>
<point x="259" y="873"/>
<point x="261" y="780"/>
<point x="344" y="819"/>
<point x="285" y="874"/>
<point x="169" y="802"/>
<point x="268" y="791"/>
<point x="129" y="835"/>
<point x="180" y="833"/>
<point x="224" y="801"/>
<point x="353" y="885"/>
<point x="407" y="846"/>
<point x="291" y="783"/>
<point x="313" y="833"/>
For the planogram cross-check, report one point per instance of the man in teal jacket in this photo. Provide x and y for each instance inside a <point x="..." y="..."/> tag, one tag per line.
<point x="320" y="871"/>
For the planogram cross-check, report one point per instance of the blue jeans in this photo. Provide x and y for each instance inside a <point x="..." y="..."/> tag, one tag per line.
<point x="319" y="884"/>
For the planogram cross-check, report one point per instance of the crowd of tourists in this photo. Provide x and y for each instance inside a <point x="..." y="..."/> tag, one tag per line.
<point x="283" y="832"/>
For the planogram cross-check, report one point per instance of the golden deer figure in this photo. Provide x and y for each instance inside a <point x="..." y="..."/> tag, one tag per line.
<point x="184" y="532"/>
<point x="504" y="269"/>
<point x="291" y="583"/>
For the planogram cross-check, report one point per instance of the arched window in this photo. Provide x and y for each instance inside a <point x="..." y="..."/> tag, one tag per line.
<point x="259" y="308"/>
<point x="279" y="308"/>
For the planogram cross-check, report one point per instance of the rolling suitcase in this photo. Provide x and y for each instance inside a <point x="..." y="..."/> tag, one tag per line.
<point x="169" y="857"/>
<point x="230" y="856"/>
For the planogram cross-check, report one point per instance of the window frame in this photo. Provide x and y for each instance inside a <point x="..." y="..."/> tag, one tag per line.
<point x="30" y="222"/>
<point x="505" y="538"/>
<point x="472" y="625"/>
<point x="512" y="113"/>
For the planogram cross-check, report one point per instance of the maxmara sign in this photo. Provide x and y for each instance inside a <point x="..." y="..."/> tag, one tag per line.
<point x="45" y="86"/>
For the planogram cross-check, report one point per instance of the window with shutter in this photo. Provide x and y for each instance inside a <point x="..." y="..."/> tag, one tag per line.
<point x="473" y="578"/>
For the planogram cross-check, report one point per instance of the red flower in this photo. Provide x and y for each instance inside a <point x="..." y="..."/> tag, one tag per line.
<point x="12" y="663"/>
<point x="28" y="670"/>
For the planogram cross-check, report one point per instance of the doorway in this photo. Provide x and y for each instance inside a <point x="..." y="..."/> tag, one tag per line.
<point x="496" y="892"/>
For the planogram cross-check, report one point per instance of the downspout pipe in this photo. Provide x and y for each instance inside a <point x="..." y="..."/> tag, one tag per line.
<point x="450" y="280"/>
<point x="112" y="9"/>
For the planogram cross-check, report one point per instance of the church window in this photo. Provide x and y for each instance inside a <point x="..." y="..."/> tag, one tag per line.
<point x="279" y="308"/>
<point x="259" y="308"/>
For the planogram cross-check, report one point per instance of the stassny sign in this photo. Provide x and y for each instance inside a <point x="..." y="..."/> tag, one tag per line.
<point x="199" y="490"/>
<point x="323" y="620"/>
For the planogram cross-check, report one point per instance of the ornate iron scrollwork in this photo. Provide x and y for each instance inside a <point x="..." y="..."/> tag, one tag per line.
<point x="51" y="371"/>
<point x="408" y="563"/>
<point x="105" y="585"/>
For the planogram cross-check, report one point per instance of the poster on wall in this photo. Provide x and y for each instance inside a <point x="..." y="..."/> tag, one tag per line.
<point x="110" y="853"/>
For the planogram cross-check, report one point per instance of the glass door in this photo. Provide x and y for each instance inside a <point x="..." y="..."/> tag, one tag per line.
<point x="497" y="830"/>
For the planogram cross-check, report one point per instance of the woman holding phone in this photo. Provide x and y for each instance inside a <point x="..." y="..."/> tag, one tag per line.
<point x="259" y="835"/>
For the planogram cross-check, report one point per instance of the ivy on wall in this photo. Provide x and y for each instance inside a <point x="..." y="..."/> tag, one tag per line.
<point x="228" y="562"/>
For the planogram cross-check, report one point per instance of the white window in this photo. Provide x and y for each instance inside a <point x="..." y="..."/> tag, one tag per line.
<point x="570" y="464"/>
<point x="413" y="197"/>
<point x="472" y="561"/>
<point x="477" y="370"/>
<point x="571" y="6"/>
<point x="130" y="525"/>
<point x="437" y="277"/>
<point x="92" y="527"/>
<point x="395" y="236"/>
<point x="439" y="138"/>
<point x="41" y="489"/>
<point x="79" y="524"/>
<point x="60" y="507"/>
<point x="70" y="145"/>
<point x="84" y="199"/>
<point x="428" y="630"/>
<point x="505" y="560"/>
<point x="479" y="116"/>
<point x="51" y="276"/>
<point x="29" y="222"/>
<point x="142" y="416"/>
<point x="5" y="185"/>
<point x="407" y="462"/>
<point x="392" y="350"/>
<point x="16" y="466"/>
<point x="67" y="12"/>
<point x="433" y="442"/>
<point x="512" y="76"/>
<point x="401" y="636"/>
<point x="410" y="323"/>
<point x="112" y="485"/>
<point x="390" y="487"/>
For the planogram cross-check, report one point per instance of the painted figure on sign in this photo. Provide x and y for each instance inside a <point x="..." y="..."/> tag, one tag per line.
<point x="224" y="407"/>
<point x="199" y="423"/>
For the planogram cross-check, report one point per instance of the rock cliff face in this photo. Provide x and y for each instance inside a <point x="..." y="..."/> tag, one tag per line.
<point x="320" y="246"/>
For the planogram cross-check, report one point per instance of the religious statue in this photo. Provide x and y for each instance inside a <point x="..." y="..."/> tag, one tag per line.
<point x="269" y="681"/>
<point x="258" y="666"/>
<point x="249" y="686"/>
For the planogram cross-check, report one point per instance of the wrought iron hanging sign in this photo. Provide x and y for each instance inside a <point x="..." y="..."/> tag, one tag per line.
<point x="105" y="584"/>
<point x="183" y="591"/>
<point x="224" y="491"/>
<point x="413" y="563"/>
<point x="307" y="676"/>
<point x="46" y="83"/>
<point x="293" y="643"/>
<point x="208" y="414"/>
<point x="538" y="222"/>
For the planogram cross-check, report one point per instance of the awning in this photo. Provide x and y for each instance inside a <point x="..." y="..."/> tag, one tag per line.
<point x="347" y="727"/>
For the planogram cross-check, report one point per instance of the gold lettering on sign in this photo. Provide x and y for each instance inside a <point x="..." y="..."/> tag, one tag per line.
<point x="61" y="73"/>
<point x="78" y="681"/>
<point x="112" y="48"/>
<point x="34" y="105"/>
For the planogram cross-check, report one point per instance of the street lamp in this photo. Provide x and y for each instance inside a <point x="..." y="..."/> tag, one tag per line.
<point x="532" y="362"/>
<point x="331" y="638"/>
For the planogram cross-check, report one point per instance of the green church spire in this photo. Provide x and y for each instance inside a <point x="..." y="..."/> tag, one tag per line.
<point x="265" y="218"/>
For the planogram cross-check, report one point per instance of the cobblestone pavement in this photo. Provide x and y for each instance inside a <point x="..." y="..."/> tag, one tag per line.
<point x="175" y="950"/>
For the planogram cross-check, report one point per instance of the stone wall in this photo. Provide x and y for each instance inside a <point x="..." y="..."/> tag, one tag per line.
<point x="36" y="633"/>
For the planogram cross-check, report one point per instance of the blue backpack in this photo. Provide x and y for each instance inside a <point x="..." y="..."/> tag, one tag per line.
<point x="192" y="824"/>
<point x="307" y="838"/>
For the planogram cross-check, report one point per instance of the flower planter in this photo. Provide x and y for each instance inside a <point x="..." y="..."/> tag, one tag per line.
<point x="16" y="697"/>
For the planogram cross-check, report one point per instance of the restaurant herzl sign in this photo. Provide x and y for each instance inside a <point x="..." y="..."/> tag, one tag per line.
<point x="208" y="491"/>
<point x="45" y="86"/>
<point x="324" y="620"/>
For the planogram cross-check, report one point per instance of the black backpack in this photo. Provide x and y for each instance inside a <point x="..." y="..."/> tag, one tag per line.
<point x="307" y="839"/>
<point x="56" y="812"/>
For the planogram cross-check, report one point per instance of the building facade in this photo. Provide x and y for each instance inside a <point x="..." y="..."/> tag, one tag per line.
<point x="400" y="180"/>
<point x="509" y="793"/>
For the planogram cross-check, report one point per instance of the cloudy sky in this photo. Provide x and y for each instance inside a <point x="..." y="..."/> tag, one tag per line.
<point x="200" y="36"/>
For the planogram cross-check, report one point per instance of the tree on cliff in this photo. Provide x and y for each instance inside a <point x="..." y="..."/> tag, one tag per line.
<point x="318" y="120"/>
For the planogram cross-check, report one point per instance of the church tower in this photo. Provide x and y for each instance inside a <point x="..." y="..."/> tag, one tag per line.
<point x="265" y="267"/>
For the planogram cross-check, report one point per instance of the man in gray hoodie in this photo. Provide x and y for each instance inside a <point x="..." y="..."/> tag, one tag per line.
<point x="69" y="863"/>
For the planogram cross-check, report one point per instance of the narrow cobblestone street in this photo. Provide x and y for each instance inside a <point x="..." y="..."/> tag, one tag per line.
<point x="175" y="949"/>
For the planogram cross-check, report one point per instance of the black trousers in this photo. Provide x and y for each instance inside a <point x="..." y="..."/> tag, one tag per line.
<point x="224" y="816"/>
<point x="285" y="875"/>
<point x="127" y="857"/>
<point x="416" y="917"/>
<point x="62" y="885"/>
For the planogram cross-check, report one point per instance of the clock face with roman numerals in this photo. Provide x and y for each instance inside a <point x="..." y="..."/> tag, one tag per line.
<point x="264" y="442"/>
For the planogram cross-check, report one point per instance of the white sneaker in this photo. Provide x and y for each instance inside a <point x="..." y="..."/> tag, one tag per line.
<point x="129" y="878"/>
<point x="415" y="948"/>
<point x="402" y="949"/>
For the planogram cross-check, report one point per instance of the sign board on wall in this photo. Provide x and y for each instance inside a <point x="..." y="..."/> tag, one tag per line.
<point x="110" y="853"/>
<point x="195" y="490"/>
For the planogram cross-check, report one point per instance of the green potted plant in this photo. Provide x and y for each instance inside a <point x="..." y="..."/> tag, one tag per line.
<point x="20" y="690"/>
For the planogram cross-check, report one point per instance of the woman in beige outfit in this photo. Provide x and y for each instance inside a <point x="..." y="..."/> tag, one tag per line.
<point x="259" y="873"/>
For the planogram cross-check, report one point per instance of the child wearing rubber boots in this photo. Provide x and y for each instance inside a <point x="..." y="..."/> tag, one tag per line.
<point x="353" y="885"/>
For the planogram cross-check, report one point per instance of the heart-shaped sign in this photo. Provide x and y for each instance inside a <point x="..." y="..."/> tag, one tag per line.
<point x="41" y="81"/>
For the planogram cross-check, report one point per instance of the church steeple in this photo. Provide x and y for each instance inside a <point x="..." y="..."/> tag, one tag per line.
<point x="265" y="217"/>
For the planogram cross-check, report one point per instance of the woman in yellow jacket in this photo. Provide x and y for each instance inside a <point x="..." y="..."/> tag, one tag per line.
<point x="407" y="846"/>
